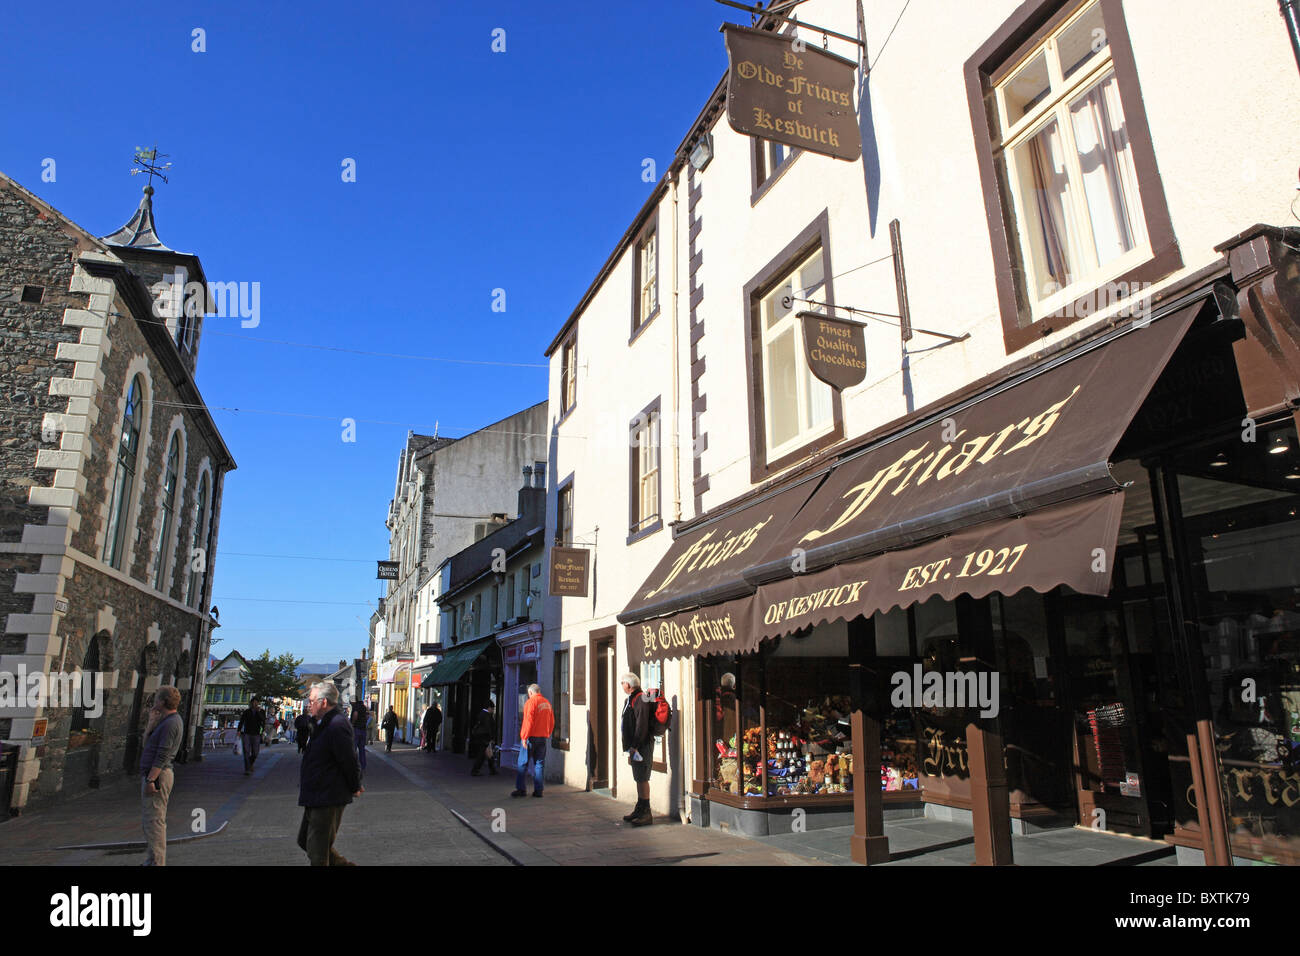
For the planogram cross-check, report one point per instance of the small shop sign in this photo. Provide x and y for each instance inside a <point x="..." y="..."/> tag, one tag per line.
<point x="570" y="569"/>
<point x="388" y="570"/>
<point x="836" y="350"/>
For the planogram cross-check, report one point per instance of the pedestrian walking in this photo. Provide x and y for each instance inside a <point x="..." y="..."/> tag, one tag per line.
<point x="251" y="724"/>
<point x="328" y="778"/>
<point x="638" y="744"/>
<point x="482" y="737"/>
<point x="302" y="730"/>
<point x="162" y="738"/>
<point x="371" y="722"/>
<point x="534" y="735"/>
<point x="360" y="717"/>
<point x="432" y="724"/>
<point x="390" y="727"/>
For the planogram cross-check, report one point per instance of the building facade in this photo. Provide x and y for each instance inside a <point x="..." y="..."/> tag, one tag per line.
<point x="225" y="695"/>
<point x="449" y="494"/>
<point x="113" y="478"/>
<point x="1110" y="396"/>
<point x="491" y="625"/>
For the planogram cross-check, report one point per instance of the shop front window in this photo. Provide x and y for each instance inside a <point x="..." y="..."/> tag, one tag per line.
<point x="810" y="750"/>
<point x="724" y="756"/>
<point x="1239" y="503"/>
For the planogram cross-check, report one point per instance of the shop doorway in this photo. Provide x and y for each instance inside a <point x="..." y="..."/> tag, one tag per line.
<point x="601" y="715"/>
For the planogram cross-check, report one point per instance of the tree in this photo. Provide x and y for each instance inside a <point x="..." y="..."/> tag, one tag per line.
<point x="273" y="677"/>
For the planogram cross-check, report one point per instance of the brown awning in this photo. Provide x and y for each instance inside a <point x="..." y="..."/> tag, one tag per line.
<point x="1009" y="490"/>
<point x="1043" y="438"/>
<point x="1071" y="544"/>
<point x="703" y="567"/>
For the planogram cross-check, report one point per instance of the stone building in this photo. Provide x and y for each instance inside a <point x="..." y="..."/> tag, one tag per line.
<point x="449" y="493"/>
<point x="111" y="477"/>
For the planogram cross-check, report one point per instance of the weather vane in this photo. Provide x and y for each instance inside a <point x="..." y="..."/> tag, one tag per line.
<point x="146" y="160"/>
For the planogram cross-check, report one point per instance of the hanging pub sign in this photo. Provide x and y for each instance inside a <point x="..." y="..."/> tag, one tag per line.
<point x="569" y="571"/>
<point x="836" y="350"/>
<point x="784" y="91"/>
<point x="388" y="570"/>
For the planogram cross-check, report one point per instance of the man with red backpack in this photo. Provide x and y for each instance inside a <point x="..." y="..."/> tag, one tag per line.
<point x="640" y="723"/>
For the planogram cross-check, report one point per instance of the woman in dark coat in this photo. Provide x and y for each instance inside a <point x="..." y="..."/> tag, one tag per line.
<point x="390" y="727"/>
<point x="482" y="733"/>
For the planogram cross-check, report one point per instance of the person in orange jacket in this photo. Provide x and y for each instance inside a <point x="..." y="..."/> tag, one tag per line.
<point x="534" y="734"/>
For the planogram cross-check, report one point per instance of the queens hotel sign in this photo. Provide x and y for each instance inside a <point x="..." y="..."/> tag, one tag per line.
<point x="783" y="91"/>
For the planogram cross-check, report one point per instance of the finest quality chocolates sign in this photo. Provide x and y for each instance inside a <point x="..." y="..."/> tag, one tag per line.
<point x="836" y="350"/>
<point x="801" y="97"/>
<point x="569" y="571"/>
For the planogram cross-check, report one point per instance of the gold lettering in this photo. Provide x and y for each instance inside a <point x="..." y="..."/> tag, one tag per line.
<point x="992" y="451"/>
<point x="938" y="457"/>
<point x="866" y="493"/>
<point x="965" y="458"/>
<point x="1042" y="423"/>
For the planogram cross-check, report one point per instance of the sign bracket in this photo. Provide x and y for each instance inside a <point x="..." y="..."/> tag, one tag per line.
<point x="870" y="313"/>
<point x="759" y="11"/>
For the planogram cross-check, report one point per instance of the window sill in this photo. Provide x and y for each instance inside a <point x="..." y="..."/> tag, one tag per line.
<point x="646" y="532"/>
<point x="636" y="333"/>
<point x="762" y="472"/>
<point x="1163" y="263"/>
<point x="565" y="415"/>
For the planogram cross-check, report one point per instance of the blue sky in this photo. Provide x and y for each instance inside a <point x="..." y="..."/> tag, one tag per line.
<point x="475" y="171"/>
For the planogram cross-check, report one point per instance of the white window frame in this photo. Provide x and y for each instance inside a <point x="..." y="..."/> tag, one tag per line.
<point x="1055" y="107"/>
<point x="807" y="431"/>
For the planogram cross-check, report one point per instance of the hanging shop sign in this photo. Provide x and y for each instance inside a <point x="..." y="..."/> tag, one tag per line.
<point x="570" y="569"/>
<point x="786" y="92"/>
<point x="388" y="570"/>
<point x="836" y="350"/>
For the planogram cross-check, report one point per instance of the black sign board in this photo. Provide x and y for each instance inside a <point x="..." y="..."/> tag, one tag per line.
<point x="569" y="571"/>
<point x="836" y="350"/>
<point x="388" y="570"/>
<point x="781" y="90"/>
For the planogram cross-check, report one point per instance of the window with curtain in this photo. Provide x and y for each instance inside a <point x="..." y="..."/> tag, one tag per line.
<point x="1070" y="166"/>
<point x="128" y="448"/>
<point x="162" y="546"/>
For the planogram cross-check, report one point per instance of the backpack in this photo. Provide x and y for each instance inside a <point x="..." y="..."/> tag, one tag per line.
<point x="661" y="712"/>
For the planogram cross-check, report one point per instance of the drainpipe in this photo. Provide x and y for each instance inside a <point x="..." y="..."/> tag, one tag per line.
<point x="676" y="419"/>
<point x="1291" y="14"/>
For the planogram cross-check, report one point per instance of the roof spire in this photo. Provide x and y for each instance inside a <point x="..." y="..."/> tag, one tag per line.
<point x="139" y="231"/>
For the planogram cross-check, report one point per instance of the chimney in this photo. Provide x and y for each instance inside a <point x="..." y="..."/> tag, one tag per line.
<point x="342" y="664"/>
<point x="532" y="496"/>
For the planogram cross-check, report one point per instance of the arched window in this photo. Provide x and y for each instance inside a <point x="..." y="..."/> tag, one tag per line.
<point x="119" y="508"/>
<point x="162" y="545"/>
<point x="200" y="544"/>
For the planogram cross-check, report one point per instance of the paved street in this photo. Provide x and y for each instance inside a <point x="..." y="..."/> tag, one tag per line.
<point x="423" y="809"/>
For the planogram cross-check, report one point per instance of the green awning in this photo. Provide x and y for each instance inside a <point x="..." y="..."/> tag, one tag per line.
<point x="456" y="662"/>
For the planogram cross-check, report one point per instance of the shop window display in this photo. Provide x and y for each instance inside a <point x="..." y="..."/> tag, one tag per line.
<point x="809" y="745"/>
<point x="1240" y="505"/>
<point x="895" y="645"/>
